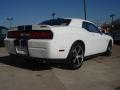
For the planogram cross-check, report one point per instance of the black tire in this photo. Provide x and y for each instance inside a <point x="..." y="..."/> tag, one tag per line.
<point x="109" y="49"/>
<point x="76" y="56"/>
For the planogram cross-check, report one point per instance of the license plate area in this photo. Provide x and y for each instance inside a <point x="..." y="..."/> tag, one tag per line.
<point x="21" y="46"/>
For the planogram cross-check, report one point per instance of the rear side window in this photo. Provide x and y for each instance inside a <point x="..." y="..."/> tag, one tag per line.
<point x="90" y="27"/>
<point x="59" y="21"/>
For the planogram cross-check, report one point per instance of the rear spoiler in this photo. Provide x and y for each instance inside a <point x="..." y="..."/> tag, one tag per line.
<point x="31" y="27"/>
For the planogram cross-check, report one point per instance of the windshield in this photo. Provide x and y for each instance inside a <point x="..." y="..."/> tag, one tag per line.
<point x="59" y="22"/>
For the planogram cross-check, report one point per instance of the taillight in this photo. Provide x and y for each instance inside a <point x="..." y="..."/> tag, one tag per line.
<point x="13" y="34"/>
<point x="34" y="34"/>
<point x="41" y="35"/>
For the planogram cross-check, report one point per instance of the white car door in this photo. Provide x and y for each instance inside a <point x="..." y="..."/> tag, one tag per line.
<point x="95" y="40"/>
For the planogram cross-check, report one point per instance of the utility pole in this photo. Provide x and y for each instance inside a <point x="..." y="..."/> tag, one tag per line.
<point x="112" y="17"/>
<point x="53" y="15"/>
<point x="9" y="21"/>
<point x="85" y="10"/>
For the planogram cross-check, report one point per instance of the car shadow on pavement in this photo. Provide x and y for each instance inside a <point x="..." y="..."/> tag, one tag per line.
<point x="29" y="64"/>
<point x="34" y="64"/>
<point x="21" y="63"/>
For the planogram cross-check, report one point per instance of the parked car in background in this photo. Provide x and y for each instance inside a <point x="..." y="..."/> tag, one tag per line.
<point x="116" y="36"/>
<point x="67" y="39"/>
<point x="3" y="33"/>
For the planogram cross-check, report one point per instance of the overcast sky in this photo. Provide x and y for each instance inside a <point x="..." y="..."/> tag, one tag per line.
<point x="35" y="11"/>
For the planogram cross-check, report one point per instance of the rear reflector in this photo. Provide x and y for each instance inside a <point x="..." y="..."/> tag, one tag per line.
<point x="34" y="34"/>
<point x="61" y="50"/>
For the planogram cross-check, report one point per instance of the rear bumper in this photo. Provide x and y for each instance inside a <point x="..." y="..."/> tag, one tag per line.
<point x="45" y="49"/>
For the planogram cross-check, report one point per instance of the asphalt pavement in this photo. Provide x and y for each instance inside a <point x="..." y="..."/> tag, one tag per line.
<point x="97" y="73"/>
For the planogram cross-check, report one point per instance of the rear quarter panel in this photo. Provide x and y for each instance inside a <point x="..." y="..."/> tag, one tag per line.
<point x="64" y="37"/>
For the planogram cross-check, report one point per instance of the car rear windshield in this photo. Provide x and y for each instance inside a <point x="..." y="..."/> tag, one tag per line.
<point x="57" y="22"/>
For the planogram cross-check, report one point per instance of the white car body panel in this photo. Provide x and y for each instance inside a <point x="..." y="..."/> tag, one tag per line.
<point x="63" y="39"/>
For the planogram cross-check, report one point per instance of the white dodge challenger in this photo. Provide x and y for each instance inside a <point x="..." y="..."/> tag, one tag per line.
<point x="67" y="39"/>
